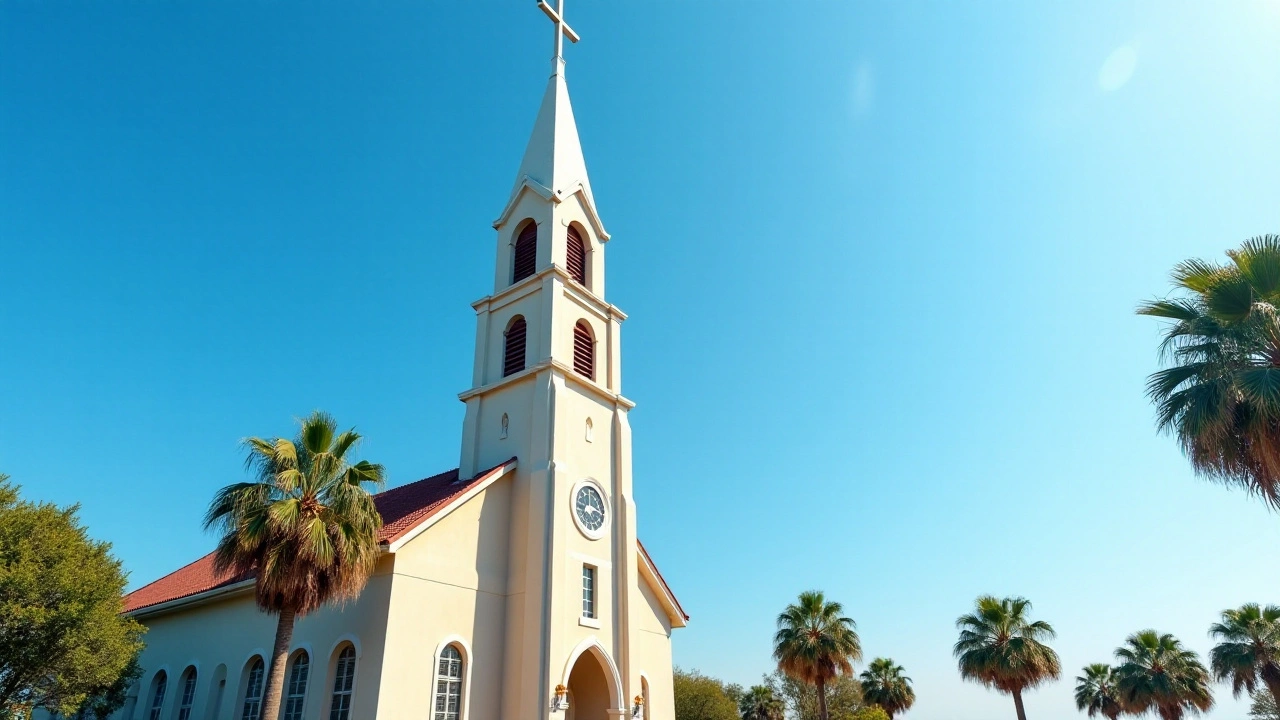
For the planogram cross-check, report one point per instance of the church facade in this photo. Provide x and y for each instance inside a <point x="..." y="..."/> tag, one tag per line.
<point x="511" y="588"/>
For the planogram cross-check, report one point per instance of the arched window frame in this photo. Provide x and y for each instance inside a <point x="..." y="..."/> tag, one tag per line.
<point x="524" y="257"/>
<point x="644" y="695"/>
<point x="294" y="701"/>
<point x="342" y="688"/>
<point x="157" y="690"/>
<point x="515" y="346"/>
<point x="460" y="644"/>
<point x="578" y="255"/>
<point x="584" y="349"/>
<point x="185" y="708"/>
<point x="255" y="686"/>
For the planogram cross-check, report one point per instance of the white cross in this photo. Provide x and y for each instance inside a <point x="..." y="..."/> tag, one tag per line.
<point x="562" y="28"/>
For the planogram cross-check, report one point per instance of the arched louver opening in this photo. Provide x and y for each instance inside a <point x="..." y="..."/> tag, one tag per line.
<point x="513" y="347"/>
<point x="584" y="350"/>
<point x="525" y="258"/>
<point x="577" y="256"/>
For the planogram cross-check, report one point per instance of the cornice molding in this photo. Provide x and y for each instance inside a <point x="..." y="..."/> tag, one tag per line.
<point x="565" y="372"/>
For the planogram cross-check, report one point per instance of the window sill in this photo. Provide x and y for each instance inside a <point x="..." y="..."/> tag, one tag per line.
<point x="589" y="622"/>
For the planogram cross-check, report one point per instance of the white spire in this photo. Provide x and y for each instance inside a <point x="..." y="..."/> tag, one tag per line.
<point x="553" y="165"/>
<point x="553" y="157"/>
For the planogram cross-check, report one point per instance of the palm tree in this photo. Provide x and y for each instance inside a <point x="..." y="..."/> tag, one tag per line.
<point x="1221" y="394"/>
<point x="884" y="684"/>
<point x="1096" y="691"/>
<point x="306" y="526"/>
<point x="759" y="703"/>
<point x="1002" y="649"/>
<point x="815" y="643"/>
<point x="1248" y="649"/>
<point x="1157" y="673"/>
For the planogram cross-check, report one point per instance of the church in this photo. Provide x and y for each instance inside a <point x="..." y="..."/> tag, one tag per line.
<point x="511" y="588"/>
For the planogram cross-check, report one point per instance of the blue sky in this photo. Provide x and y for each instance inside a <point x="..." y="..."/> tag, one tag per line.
<point x="880" y="259"/>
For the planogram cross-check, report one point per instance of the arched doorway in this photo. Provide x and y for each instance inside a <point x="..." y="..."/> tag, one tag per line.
<point x="589" y="689"/>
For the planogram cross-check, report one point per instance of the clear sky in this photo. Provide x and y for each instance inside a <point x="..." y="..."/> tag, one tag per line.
<point x="880" y="259"/>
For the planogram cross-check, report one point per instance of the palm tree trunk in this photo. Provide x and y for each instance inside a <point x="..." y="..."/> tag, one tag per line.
<point x="822" y="699"/>
<point x="279" y="657"/>
<point x="1017" y="704"/>
<point x="1273" y="684"/>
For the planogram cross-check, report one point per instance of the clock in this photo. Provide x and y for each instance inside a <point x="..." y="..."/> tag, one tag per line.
<point x="588" y="509"/>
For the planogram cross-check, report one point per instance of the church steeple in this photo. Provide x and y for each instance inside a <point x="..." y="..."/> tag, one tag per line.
<point x="553" y="157"/>
<point x="553" y="165"/>
<point x="547" y="390"/>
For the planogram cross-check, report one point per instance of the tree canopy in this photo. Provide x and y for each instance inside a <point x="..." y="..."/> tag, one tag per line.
<point x="1002" y="648"/>
<point x="62" y="637"/>
<point x="844" y="696"/>
<point x="699" y="697"/>
<point x="1220" y="394"/>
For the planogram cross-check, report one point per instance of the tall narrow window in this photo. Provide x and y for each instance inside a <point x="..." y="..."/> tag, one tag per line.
<point x="449" y="685"/>
<point x="296" y="692"/>
<point x="525" y="258"/>
<point x="576" y="256"/>
<point x="188" y="698"/>
<point x="344" y="678"/>
<point x="157" y="697"/>
<point x="513" y="347"/>
<point x="584" y="350"/>
<point x="252" y="709"/>
<point x="588" y="591"/>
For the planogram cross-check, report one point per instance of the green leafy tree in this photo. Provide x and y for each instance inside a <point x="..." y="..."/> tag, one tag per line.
<point x="759" y="703"/>
<point x="1220" y="395"/>
<point x="843" y="695"/>
<point x="869" y="712"/>
<point x="306" y="525"/>
<point x="1264" y="706"/>
<point x="884" y="684"/>
<point x="103" y="702"/>
<point x="1157" y="674"/>
<point x="1096" y="691"/>
<point x="816" y="644"/>
<point x="1002" y="648"/>
<point x="62" y="637"/>
<point x="1248" y="649"/>
<point x="699" y="697"/>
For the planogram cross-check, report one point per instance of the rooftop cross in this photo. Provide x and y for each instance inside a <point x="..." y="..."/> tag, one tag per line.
<point x="562" y="28"/>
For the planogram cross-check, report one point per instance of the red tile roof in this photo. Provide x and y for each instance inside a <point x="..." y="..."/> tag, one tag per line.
<point x="402" y="509"/>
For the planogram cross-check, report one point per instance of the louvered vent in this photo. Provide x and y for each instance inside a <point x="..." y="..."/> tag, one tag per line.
<point x="584" y="351"/>
<point x="526" y="255"/>
<point x="513" y="348"/>
<point x="577" y="256"/>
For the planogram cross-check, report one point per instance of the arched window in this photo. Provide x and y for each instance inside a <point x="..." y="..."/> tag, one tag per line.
<point x="525" y="258"/>
<point x="157" y="695"/>
<point x="296" y="690"/>
<point x="584" y="350"/>
<point x="513" y="346"/>
<point x="576" y="256"/>
<point x="449" y="685"/>
<point x="252" y="709"/>
<point x="188" y="698"/>
<point x="344" y="679"/>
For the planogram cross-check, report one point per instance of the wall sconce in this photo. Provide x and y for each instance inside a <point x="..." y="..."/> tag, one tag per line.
<point x="558" y="701"/>
<point x="637" y="708"/>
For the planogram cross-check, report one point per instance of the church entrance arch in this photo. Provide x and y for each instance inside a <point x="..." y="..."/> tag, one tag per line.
<point x="592" y="688"/>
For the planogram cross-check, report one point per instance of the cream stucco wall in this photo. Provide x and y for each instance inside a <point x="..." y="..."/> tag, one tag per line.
<point x="221" y="638"/>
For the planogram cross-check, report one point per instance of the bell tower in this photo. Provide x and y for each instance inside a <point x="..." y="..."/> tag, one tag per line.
<point x="546" y="389"/>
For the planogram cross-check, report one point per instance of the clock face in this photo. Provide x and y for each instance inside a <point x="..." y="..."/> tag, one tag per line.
<point x="589" y="507"/>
